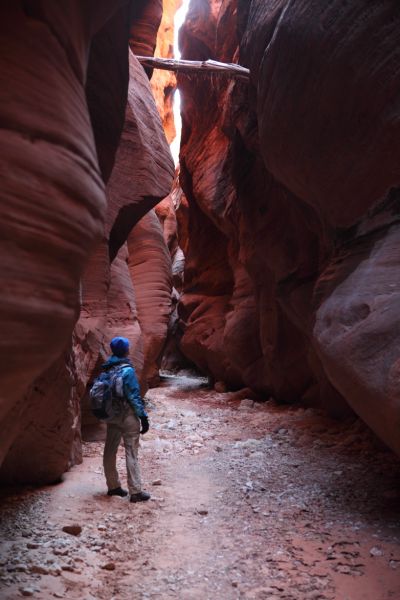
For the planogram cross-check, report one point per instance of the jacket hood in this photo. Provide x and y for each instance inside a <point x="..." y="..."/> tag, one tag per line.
<point x="113" y="361"/>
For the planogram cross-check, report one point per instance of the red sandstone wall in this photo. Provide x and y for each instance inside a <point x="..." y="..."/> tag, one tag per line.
<point x="291" y="271"/>
<point x="56" y="151"/>
<point x="53" y="199"/>
<point x="150" y="270"/>
<point x="172" y="214"/>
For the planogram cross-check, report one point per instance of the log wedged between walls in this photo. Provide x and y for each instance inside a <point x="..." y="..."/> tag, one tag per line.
<point x="291" y="277"/>
<point x="50" y="151"/>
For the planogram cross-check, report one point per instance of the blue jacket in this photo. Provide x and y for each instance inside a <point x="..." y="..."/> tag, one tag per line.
<point x="131" y="385"/>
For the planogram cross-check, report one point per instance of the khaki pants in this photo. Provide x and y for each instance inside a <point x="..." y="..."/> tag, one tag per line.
<point x="126" y="426"/>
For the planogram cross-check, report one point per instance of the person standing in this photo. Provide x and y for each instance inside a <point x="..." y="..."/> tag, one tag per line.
<point x="131" y="421"/>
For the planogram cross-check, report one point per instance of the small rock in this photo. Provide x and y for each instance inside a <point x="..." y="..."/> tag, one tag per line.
<point x="110" y="566"/>
<point x="246" y="404"/>
<point x="58" y="595"/>
<point x="250" y="444"/>
<point x="344" y="569"/>
<point x="69" y="568"/>
<point x="218" y="449"/>
<point x="102" y="528"/>
<point x="220" y="387"/>
<point x="375" y="551"/>
<point x="40" y="569"/>
<point x="32" y="545"/>
<point x="72" y="529"/>
<point x="157" y="482"/>
<point x="27" y="591"/>
<point x="61" y="551"/>
<point x="244" y="393"/>
<point x="55" y="569"/>
<point x="202" y="511"/>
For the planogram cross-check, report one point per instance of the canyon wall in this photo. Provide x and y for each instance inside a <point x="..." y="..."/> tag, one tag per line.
<point x="53" y="199"/>
<point x="71" y="126"/>
<point x="172" y="214"/>
<point x="291" y="277"/>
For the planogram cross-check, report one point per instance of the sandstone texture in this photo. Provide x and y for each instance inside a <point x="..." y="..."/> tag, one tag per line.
<point x="145" y="20"/>
<point x="291" y="276"/>
<point x="53" y="199"/>
<point x="172" y="214"/>
<point x="144" y="170"/>
<point x="150" y="270"/>
<point x="70" y="126"/>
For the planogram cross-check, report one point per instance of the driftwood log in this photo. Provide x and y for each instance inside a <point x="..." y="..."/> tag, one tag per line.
<point x="191" y="67"/>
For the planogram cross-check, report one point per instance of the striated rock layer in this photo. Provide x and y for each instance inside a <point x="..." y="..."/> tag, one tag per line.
<point x="291" y="278"/>
<point x="172" y="214"/>
<point x="150" y="269"/>
<point x="61" y="131"/>
<point x="53" y="199"/>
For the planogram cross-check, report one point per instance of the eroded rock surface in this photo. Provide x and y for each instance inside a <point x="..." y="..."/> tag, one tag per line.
<point x="150" y="270"/>
<point x="291" y="271"/>
<point x="172" y="215"/>
<point x="56" y="157"/>
<point x="53" y="199"/>
<point x="144" y="169"/>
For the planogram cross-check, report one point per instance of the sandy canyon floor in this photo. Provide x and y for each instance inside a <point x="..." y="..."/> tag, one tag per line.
<point x="252" y="501"/>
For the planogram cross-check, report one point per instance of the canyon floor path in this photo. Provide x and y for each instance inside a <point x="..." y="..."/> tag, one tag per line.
<point x="249" y="500"/>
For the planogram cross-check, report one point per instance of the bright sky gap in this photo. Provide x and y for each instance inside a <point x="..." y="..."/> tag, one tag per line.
<point x="178" y="22"/>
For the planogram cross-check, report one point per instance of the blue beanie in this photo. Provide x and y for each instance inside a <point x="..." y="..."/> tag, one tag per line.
<point x="119" y="346"/>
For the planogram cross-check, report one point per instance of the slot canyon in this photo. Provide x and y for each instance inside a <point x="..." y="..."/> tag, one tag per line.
<point x="249" y="250"/>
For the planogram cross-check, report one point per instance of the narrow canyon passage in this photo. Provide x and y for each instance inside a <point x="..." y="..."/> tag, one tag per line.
<point x="292" y="505"/>
<point x="245" y="228"/>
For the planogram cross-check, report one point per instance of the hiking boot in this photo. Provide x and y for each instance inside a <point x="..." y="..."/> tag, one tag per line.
<point x="117" y="492"/>
<point x="140" y="497"/>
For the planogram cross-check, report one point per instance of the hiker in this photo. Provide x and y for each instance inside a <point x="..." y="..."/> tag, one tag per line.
<point x="129" y="424"/>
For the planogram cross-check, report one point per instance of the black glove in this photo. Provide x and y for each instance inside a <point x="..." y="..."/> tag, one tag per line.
<point x="145" y="424"/>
